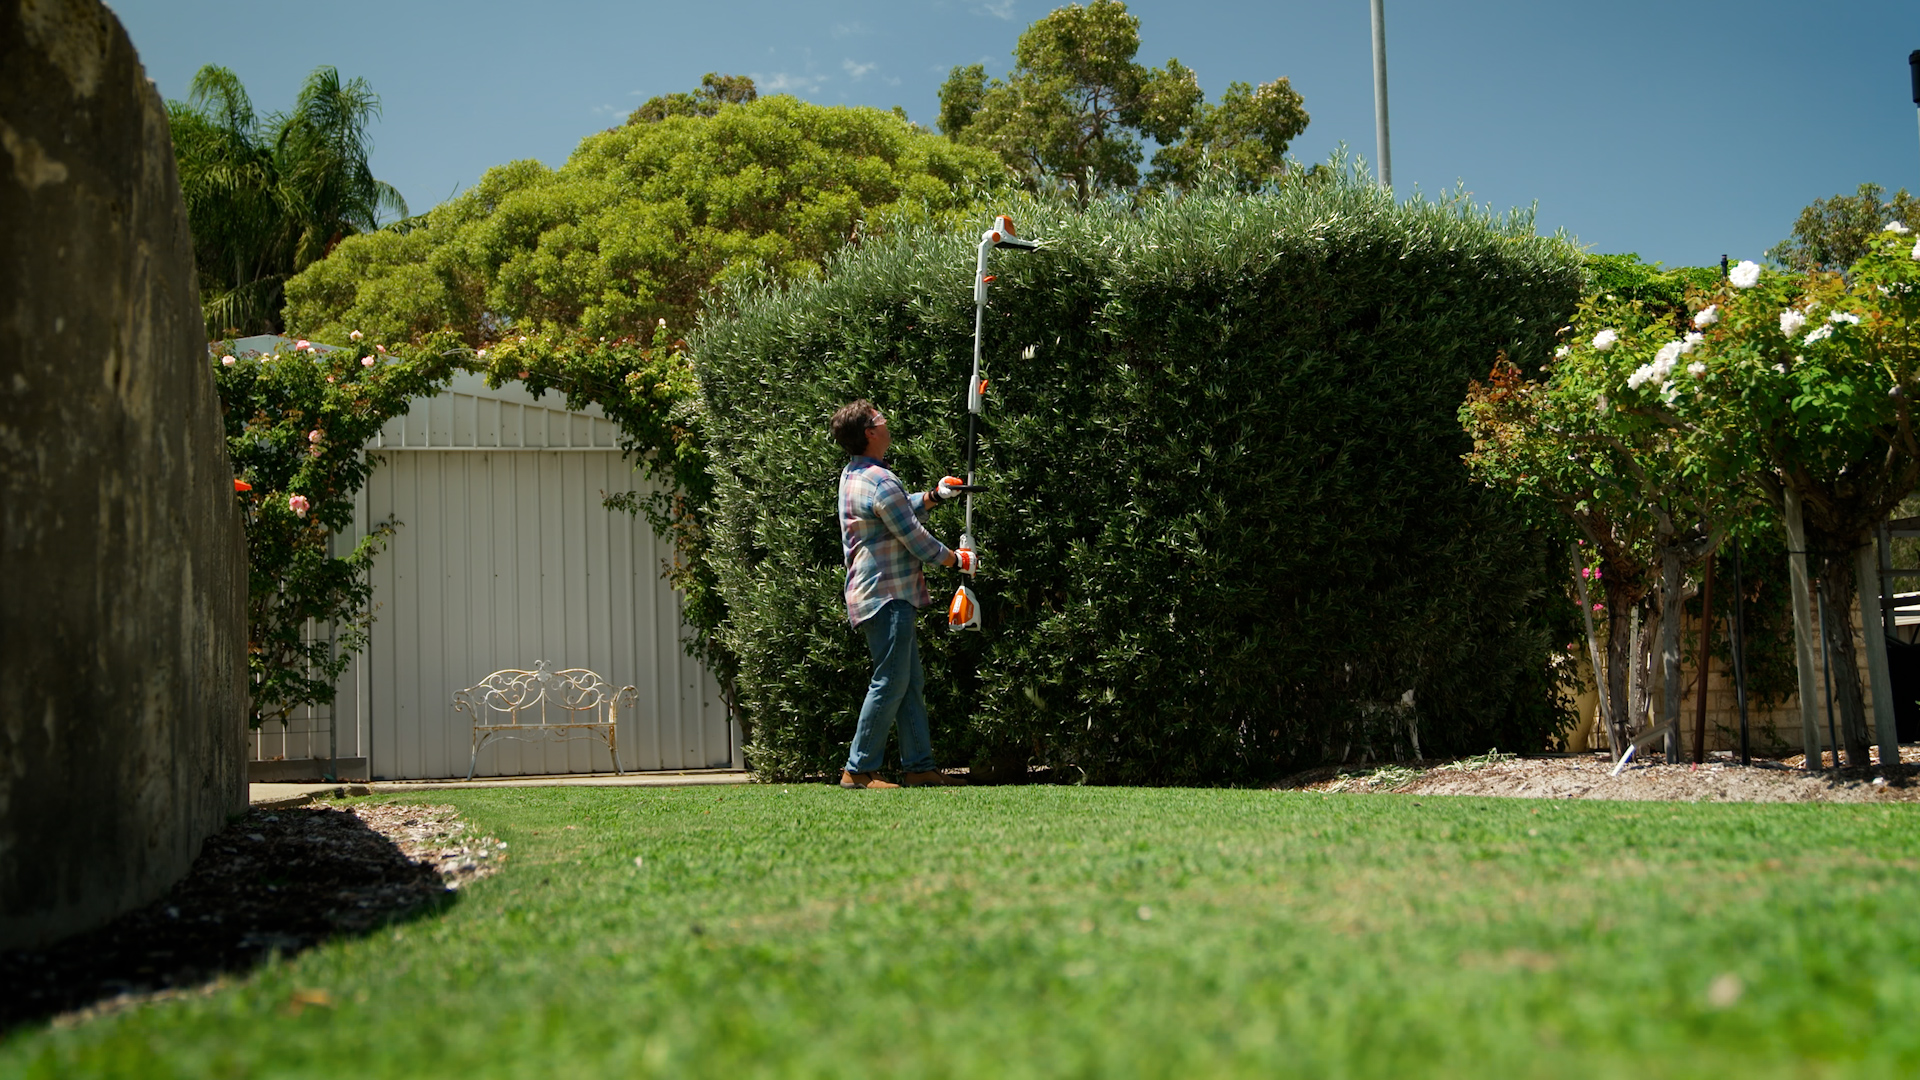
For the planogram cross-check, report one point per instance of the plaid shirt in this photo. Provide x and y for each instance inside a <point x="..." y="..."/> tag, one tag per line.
<point x="883" y="540"/>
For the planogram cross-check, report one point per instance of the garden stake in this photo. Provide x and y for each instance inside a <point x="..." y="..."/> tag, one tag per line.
<point x="1740" y="655"/>
<point x="1826" y="673"/>
<point x="1593" y="650"/>
<point x="1700" y="690"/>
<point x="963" y="613"/>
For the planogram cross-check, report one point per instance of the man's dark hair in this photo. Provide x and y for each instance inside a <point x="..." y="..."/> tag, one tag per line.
<point x="850" y="425"/>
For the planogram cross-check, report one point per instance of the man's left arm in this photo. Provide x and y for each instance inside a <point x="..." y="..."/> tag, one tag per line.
<point x="923" y="502"/>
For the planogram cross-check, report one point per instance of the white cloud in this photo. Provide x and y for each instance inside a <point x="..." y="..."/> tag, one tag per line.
<point x="610" y="110"/>
<point x="856" y="71"/>
<point x="782" y="82"/>
<point x="851" y="29"/>
<point x="999" y="9"/>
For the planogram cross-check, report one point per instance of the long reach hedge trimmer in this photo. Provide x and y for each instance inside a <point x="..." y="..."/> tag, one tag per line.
<point x="963" y="613"/>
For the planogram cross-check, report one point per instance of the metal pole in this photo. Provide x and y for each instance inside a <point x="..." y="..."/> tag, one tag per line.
<point x="1381" y="149"/>
<point x="1740" y="655"/>
<point x="333" y="712"/>
<point x="973" y="383"/>
<point x="1913" y="68"/>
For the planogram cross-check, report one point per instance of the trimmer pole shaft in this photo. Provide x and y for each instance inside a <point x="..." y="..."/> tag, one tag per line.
<point x="973" y="384"/>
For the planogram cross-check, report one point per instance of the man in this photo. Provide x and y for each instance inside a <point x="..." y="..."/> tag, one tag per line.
<point x="885" y="545"/>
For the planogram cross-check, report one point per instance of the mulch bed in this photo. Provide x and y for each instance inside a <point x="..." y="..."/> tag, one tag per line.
<point x="275" y="881"/>
<point x="1592" y="776"/>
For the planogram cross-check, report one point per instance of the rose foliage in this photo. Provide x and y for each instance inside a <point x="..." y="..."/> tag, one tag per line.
<point x="1765" y="384"/>
<point x="297" y="421"/>
<point x="1650" y="499"/>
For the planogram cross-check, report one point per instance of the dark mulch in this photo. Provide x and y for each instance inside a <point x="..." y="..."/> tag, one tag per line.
<point x="273" y="882"/>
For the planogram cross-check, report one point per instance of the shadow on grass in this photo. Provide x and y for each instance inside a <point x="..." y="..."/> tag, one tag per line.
<point x="274" y="882"/>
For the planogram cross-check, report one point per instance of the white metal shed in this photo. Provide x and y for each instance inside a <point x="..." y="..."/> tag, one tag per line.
<point x="505" y="556"/>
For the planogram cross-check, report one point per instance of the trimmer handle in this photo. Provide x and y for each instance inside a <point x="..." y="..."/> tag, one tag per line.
<point x="970" y="487"/>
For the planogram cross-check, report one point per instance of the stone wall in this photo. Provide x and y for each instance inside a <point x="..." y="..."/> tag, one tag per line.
<point x="122" y="561"/>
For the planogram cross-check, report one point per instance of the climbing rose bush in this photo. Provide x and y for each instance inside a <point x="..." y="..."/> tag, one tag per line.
<point x="296" y="420"/>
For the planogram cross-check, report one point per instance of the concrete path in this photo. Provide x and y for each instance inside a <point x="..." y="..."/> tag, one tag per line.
<point x="267" y="796"/>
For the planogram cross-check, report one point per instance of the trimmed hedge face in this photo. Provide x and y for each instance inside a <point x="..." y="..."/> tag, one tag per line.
<point x="1228" y="528"/>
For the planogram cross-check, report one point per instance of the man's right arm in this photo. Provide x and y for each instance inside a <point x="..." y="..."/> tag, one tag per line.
<point x="895" y="509"/>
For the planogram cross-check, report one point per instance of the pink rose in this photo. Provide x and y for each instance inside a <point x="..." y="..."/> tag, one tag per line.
<point x="366" y="361"/>
<point x="314" y="435"/>
<point x="298" y="504"/>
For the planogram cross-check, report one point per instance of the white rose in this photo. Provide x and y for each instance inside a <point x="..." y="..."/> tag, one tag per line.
<point x="1746" y="274"/>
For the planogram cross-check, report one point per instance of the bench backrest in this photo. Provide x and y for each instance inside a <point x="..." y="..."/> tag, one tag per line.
<point x="519" y="693"/>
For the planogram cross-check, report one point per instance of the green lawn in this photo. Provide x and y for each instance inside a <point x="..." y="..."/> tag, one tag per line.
<point x="1064" y="931"/>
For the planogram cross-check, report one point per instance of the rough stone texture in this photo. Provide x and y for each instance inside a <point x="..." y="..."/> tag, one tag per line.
<point x="122" y="561"/>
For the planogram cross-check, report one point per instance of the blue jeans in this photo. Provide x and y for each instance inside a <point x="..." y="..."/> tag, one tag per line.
<point x="897" y="691"/>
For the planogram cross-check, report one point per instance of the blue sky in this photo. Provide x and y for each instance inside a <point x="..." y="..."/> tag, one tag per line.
<point x="1680" y="130"/>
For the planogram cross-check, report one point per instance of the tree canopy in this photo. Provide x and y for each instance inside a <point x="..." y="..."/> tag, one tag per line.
<point x="1833" y="234"/>
<point x="268" y="196"/>
<point x="715" y="90"/>
<point x="1074" y="111"/>
<point x="643" y="222"/>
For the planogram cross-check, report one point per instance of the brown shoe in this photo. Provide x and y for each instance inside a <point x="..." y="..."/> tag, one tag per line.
<point x="853" y="780"/>
<point x="933" y="778"/>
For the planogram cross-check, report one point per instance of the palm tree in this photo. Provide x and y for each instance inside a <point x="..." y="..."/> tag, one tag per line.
<point x="267" y="196"/>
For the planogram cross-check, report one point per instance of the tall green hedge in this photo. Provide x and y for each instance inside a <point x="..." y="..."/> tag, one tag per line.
<point x="1229" y="525"/>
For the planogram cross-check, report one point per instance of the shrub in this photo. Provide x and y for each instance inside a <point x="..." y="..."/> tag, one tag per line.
<point x="1229" y="527"/>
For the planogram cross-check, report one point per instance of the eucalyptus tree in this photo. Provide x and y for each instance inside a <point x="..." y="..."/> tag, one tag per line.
<point x="1073" y="113"/>
<point x="715" y="91"/>
<point x="268" y="196"/>
<point x="1832" y="234"/>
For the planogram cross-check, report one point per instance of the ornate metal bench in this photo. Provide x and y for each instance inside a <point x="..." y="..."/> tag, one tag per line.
<point x="521" y="695"/>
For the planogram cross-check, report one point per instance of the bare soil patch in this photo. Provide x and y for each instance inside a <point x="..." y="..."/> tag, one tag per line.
<point x="275" y="881"/>
<point x="1590" y="776"/>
